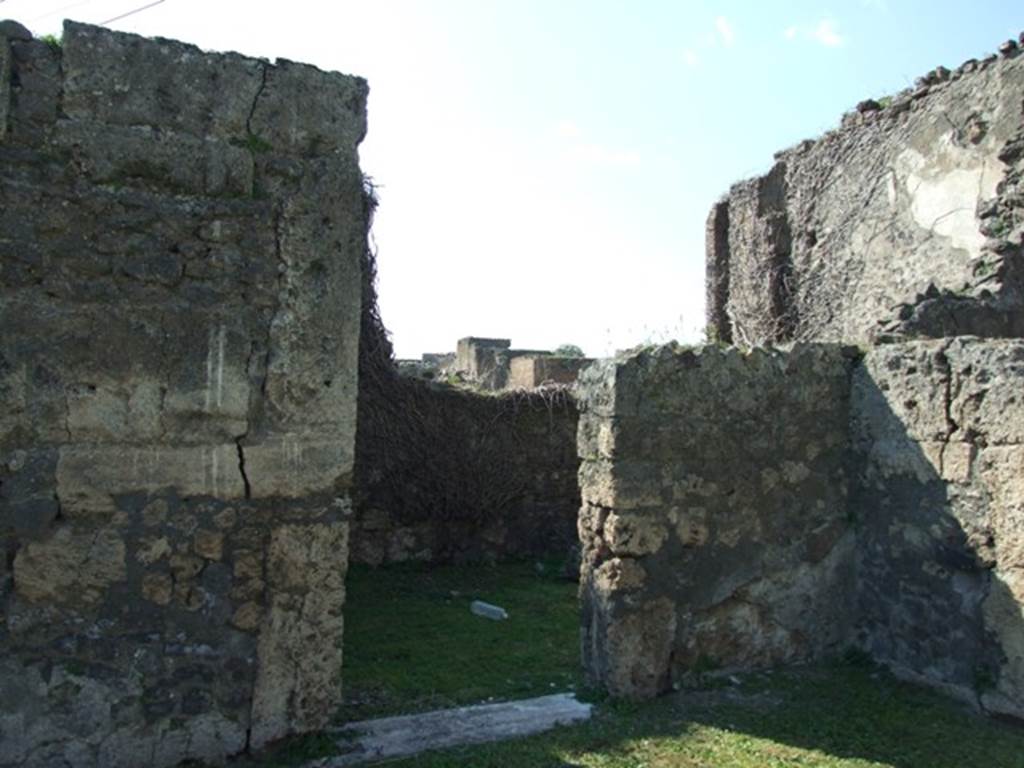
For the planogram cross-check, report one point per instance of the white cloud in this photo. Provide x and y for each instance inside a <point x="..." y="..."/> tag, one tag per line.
<point x="725" y="31"/>
<point x="691" y="58"/>
<point x="827" y="33"/>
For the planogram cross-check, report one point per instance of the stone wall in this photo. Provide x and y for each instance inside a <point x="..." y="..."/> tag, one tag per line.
<point x="531" y="371"/>
<point x="446" y="474"/>
<point x="904" y="222"/>
<point x="746" y="509"/>
<point x="714" y="521"/>
<point x="487" y="363"/>
<point x="483" y="361"/>
<point x="939" y="432"/>
<point x="179" y="296"/>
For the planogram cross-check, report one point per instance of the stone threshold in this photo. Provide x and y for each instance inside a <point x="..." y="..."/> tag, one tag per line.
<point x="406" y="735"/>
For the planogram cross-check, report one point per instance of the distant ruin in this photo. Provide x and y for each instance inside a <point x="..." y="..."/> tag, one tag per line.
<point x="201" y="412"/>
<point x="492" y="365"/>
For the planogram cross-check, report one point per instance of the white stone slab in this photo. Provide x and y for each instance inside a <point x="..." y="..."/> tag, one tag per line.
<point x="393" y="737"/>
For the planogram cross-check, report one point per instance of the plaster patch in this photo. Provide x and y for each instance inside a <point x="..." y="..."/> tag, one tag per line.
<point x="944" y="191"/>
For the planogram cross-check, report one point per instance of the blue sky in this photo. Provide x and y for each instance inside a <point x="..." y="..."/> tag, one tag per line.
<point x="546" y="166"/>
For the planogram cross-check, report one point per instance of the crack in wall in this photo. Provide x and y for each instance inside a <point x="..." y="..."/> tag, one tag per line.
<point x="264" y="69"/>
<point x="241" y="466"/>
<point x="946" y="369"/>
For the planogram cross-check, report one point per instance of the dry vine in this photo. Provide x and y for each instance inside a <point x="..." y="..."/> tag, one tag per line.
<point x="432" y="452"/>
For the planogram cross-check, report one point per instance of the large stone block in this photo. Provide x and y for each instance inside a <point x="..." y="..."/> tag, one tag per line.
<point x="297" y="465"/>
<point x="72" y="567"/>
<point x="986" y="391"/>
<point x="126" y="80"/>
<point x="148" y="156"/>
<point x="306" y="111"/>
<point x="298" y="686"/>
<point x="638" y="651"/>
<point x="714" y="524"/>
<point x="89" y="477"/>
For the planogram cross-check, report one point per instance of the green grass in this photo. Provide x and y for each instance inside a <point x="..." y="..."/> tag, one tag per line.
<point x="411" y="643"/>
<point x="55" y="43"/>
<point x="828" y="716"/>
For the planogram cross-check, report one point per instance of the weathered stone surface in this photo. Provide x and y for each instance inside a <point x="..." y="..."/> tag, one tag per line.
<point x="295" y="466"/>
<point x="483" y="361"/>
<point x="89" y="477"/>
<point x="125" y="80"/>
<point x="639" y="648"/>
<point x="391" y="738"/>
<point x="156" y="157"/>
<point x="5" y="79"/>
<point x="13" y="30"/>
<point x="634" y="534"/>
<point x="209" y="544"/>
<point x="774" y="506"/>
<point x="849" y="230"/>
<point x="70" y="567"/>
<point x="530" y="371"/>
<point x="35" y="99"/>
<point x="180" y="299"/>
<point x="306" y="111"/>
<point x="940" y="508"/>
<point x="619" y="574"/>
<point x="714" y="524"/>
<point x="297" y="688"/>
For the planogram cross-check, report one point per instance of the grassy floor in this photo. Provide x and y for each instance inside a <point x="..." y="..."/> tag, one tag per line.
<point x="412" y="644"/>
<point x="827" y="717"/>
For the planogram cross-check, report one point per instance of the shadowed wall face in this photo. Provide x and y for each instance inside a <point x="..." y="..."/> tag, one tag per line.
<point x="443" y="474"/>
<point x="938" y="429"/>
<point x="746" y="509"/>
<point x="180" y="299"/>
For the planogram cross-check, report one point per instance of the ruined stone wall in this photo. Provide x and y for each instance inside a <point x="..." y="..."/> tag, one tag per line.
<point x="488" y="364"/>
<point x="746" y="509"/>
<point x="714" y="521"/>
<point x="483" y="361"/>
<point x="529" y="371"/>
<point x="906" y="221"/>
<point x="444" y="474"/>
<point x="180" y="255"/>
<point x="939" y="505"/>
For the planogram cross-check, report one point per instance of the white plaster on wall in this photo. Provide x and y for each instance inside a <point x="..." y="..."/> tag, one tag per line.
<point x="944" y="189"/>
